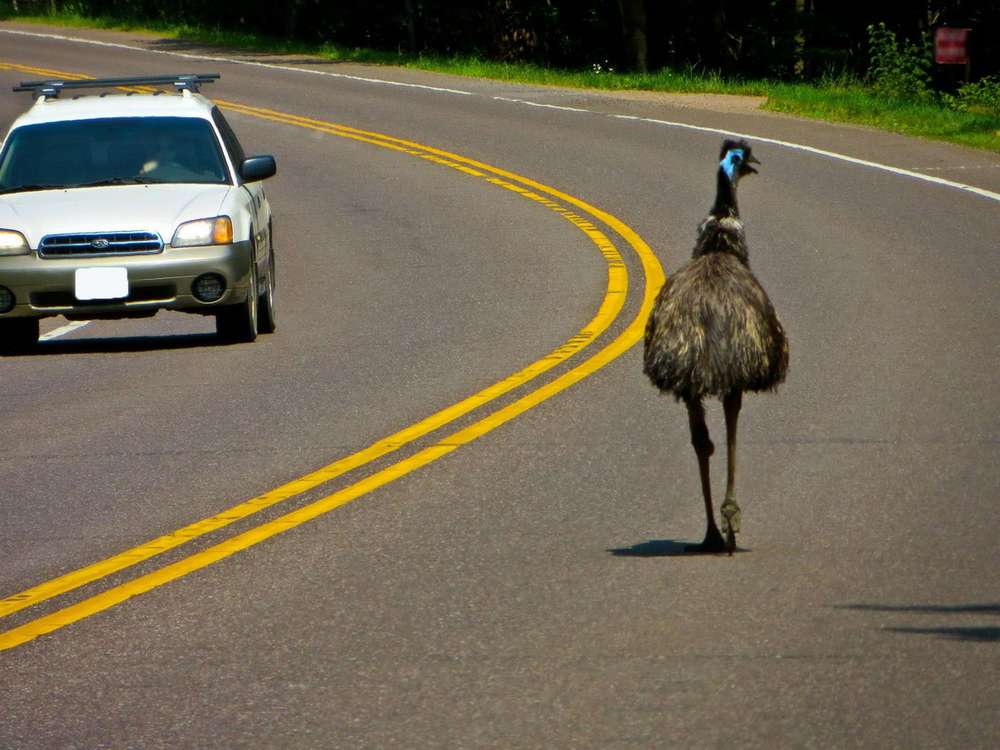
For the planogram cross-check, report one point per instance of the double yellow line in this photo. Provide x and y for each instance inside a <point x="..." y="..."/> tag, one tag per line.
<point x="572" y="209"/>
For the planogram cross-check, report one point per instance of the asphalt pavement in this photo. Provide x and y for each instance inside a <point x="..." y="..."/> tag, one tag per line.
<point x="521" y="585"/>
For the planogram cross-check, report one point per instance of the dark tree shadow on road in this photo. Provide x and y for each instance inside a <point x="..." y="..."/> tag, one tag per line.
<point x="981" y="635"/>
<point x="948" y="609"/>
<point x="664" y="548"/>
<point x="970" y="633"/>
<point x="285" y="58"/>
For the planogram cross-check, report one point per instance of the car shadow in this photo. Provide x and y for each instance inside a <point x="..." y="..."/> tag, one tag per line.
<point x="665" y="548"/>
<point x="125" y="344"/>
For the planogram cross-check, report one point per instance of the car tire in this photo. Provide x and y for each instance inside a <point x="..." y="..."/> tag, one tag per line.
<point x="239" y="322"/>
<point x="18" y="335"/>
<point x="266" y="320"/>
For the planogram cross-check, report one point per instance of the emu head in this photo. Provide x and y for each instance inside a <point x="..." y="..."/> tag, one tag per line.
<point x="735" y="160"/>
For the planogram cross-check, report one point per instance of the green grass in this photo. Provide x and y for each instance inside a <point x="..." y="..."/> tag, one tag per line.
<point x="663" y="80"/>
<point x="858" y="104"/>
<point x="839" y="101"/>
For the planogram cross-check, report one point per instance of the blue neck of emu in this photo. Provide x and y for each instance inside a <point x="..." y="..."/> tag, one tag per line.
<point x="722" y="230"/>
<point x="725" y="196"/>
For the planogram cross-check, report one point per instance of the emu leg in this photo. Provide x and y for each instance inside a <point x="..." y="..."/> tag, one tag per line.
<point x="704" y="449"/>
<point x="730" y="511"/>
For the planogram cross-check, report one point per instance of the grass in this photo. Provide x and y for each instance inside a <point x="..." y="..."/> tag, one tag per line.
<point x="838" y="101"/>
<point x="858" y="104"/>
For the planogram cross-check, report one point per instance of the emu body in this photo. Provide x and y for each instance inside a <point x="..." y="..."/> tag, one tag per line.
<point x="713" y="332"/>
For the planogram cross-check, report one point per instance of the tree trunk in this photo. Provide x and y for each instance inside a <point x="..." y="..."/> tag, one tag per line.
<point x="634" y="33"/>
<point x="411" y="26"/>
<point x="290" y="23"/>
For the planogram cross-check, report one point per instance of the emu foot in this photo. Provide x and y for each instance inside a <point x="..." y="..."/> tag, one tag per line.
<point x="712" y="543"/>
<point x="731" y="517"/>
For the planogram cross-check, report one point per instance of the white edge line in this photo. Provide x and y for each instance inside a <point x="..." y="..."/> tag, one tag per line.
<point x="545" y="106"/>
<point x="63" y="330"/>
<point x="829" y="154"/>
<point x="981" y="192"/>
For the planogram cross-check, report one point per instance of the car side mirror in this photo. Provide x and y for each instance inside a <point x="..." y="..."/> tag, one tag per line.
<point x="256" y="168"/>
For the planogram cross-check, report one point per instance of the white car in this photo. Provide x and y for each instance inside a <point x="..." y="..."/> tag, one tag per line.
<point x="121" y="205"/>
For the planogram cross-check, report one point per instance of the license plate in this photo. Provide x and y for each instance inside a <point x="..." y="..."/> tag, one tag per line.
<point x="101" y="283"/>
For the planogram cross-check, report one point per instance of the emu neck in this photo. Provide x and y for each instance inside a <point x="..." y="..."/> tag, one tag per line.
<point x="725" y="197"/>
<point x="722" y="230"/>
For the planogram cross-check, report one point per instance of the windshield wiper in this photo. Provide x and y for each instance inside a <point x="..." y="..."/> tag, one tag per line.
<point x="114" y="181"/>
<point x="71" y="185"/>
<point x="28" y="188"/>
<point x="98" y="183"/>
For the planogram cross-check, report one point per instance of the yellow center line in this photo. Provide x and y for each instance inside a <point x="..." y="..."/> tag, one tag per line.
<point x="632" y="333"/>
<point x="610" y="308"/>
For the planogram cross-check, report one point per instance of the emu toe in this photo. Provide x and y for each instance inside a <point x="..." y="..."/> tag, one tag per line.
<point x="731" y="517"/>
<point x="712" y="543"/>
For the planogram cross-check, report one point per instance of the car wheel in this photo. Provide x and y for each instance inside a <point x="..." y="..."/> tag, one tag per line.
<point x="266" y="320"/>
<point x="239" y="322"/>
<point x="18" y="335"/>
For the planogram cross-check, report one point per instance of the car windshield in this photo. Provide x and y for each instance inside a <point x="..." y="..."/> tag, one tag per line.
<point x="111" y="151"/>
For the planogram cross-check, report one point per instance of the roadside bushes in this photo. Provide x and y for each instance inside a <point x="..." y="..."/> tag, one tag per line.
<point x="981" y="96"/>
<point x="899" y="69"/>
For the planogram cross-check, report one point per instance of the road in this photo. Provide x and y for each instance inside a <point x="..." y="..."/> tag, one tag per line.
<point x="418" y="570"/>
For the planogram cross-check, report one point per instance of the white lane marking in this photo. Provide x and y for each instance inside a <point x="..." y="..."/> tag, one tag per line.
<point x="829" y="154"/>
<point x="545" y="106"/>
<point x="988" y="194"/>
<point x="62" y="331"/>
<point x="210" y="58"/>
<point x="960" y="167"/>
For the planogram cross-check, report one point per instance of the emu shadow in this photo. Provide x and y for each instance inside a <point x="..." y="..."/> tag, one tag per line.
<point x="665" y="548"/>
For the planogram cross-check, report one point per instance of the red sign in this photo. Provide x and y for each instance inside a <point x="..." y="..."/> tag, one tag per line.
<point x="950" y="46"/>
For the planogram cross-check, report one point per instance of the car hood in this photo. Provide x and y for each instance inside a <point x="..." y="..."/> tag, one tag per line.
<point x="119" y="208"/>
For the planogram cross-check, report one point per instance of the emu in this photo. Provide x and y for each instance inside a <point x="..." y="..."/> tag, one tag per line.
<point x="713" y="332"/>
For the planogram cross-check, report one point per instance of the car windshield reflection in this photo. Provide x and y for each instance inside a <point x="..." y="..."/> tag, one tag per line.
<point x="111" y="151"/>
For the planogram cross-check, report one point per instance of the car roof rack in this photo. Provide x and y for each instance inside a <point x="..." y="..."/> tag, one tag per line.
<point x="50" y="88"/>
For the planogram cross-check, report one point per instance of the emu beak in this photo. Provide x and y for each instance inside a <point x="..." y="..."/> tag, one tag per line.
<point x="751" y="160"/>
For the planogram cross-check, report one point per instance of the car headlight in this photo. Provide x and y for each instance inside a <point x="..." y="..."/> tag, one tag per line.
<point x="13" y="243"/>
<point x="215" y="231"/>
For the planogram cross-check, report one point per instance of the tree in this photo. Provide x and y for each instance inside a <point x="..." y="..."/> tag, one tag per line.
<point x="633" y="14"/>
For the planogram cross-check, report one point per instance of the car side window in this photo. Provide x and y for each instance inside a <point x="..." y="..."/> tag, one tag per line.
<point x="229" y="139"/>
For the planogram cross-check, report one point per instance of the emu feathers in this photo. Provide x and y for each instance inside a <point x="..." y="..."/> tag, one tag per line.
<point x="713" y="331"/>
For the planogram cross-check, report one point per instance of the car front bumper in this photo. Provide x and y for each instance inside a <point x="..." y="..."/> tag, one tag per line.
<point x="158" y="281"/>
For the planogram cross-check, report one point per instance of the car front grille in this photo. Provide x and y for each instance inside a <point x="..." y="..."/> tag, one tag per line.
<point x="99" y="243"/>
